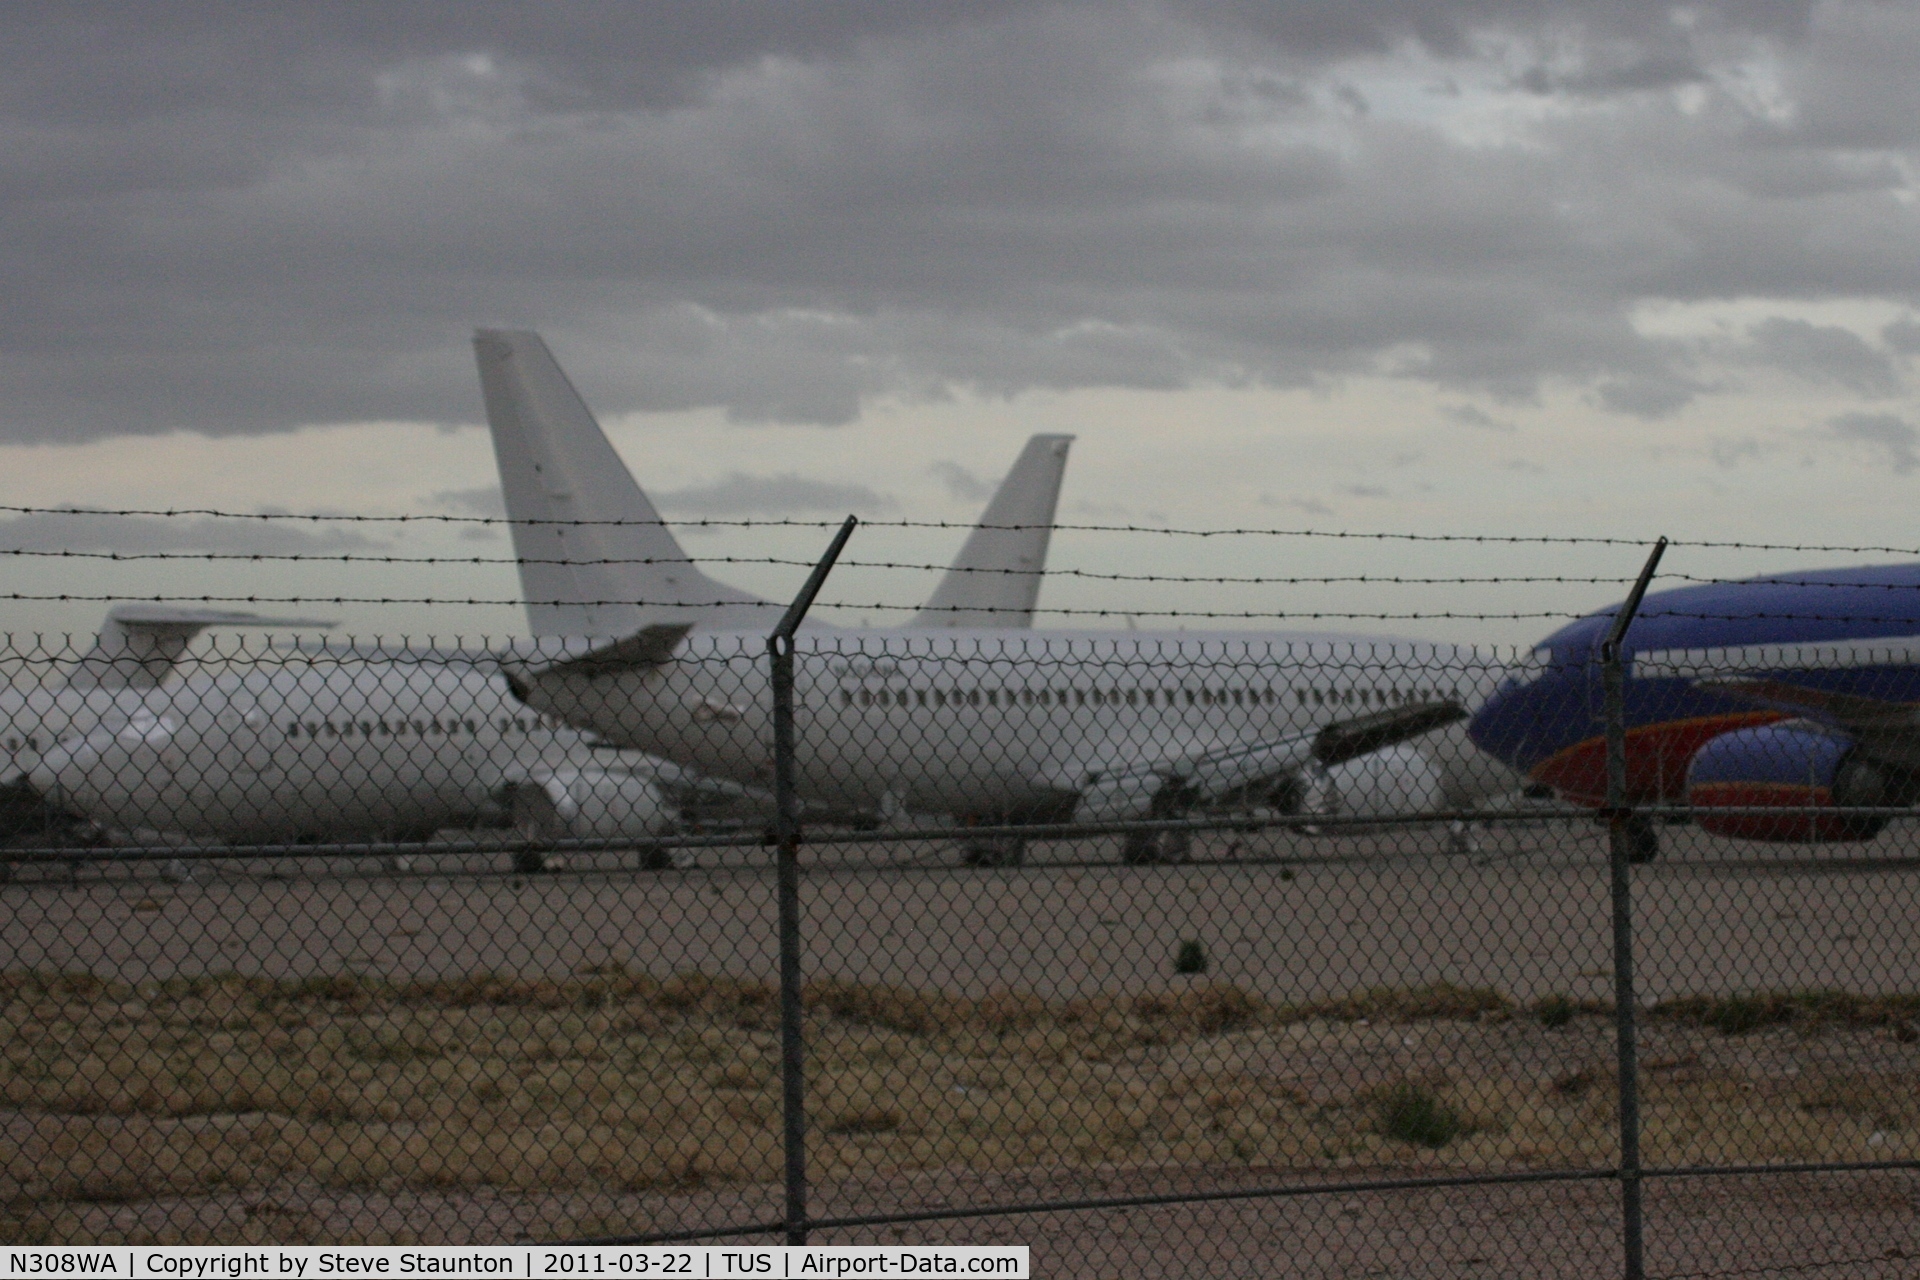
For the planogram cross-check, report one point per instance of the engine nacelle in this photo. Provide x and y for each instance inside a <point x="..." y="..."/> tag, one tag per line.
<point x="1400" y="781"/>
<point x="1124" y="797"/>
<point x="590" y="804"/>
<point x="1792" y="764"/>
<point x="1132" y="794"/>
<point x="1394" y="782"/>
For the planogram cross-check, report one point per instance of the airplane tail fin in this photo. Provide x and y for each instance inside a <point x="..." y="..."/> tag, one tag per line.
<point x="995" y="581"/>
<point x="595" y="560"/>
<point x="138" y="644"/>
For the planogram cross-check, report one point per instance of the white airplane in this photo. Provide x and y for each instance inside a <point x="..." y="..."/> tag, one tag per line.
<point x="592" y="576"/>
<point x="115" y="682"/>
<point x="990" y="724"/>
<point x="336" y="743"/>
<point x="1012" y="727"/>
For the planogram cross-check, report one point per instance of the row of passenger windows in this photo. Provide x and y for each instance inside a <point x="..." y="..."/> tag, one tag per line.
<point x="402" y="728"/>
<point x="1265" y="696"/>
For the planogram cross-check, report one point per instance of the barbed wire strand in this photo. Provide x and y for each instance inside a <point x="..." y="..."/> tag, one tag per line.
<point x="318" y="517"/>
<point x="1094" y="575"/>
<point x="878" y="607"/>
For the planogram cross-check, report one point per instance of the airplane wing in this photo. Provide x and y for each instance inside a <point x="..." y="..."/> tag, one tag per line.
<point x="1819" y="655"/>
<point x="1844" y="710"/>
<point x="1344" y="740"/>
<point x="1884" y="730"/>
<point x="1142" y="788"/>
<point x="138" y="644"/>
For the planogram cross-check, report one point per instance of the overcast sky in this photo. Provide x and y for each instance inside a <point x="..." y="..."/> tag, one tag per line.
<point x="1500" y="267"/>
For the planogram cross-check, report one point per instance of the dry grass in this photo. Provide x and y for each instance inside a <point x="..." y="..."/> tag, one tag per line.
<point x="618" y="1081"/>
<point x="1740" y="1013"/>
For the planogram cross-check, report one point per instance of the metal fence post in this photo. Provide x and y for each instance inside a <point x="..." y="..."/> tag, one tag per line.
<point x="793" y="1082"/>
<point x="1613" y="675"/>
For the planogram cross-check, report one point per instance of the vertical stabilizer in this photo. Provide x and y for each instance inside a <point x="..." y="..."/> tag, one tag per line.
<point x="995" y="582"/>
<point x="582" y="574"/>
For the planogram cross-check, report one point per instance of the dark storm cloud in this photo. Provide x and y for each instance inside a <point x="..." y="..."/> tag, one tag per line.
<point x="238" y="218"/>
<point x="736" y="494"/>
<point x="81" y="531"/>
<point x="961" y="483"/>
<point x="1470" y="416"/>
<point x="1823" y="353"/>
<point x="1903" y="335"/>
<point x="1892" y="441"/>
<point x="487" y="500"/>
<point x="739" y="494"/>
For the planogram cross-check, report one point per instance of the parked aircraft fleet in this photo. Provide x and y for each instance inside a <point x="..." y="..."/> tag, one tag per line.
<point x="1782" y="691"/>
<point x="342" y="743"/>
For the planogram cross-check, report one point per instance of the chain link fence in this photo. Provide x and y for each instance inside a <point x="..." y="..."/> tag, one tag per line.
<point x="1204" y="954"/>
<point x="1208" y="954"/>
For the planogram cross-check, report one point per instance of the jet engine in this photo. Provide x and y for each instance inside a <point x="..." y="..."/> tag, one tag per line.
<point x="1123" y="795"/>
<point x="1791" y="764"/>
<point x="591" y="804"/>
<point x="1400" y="781"/>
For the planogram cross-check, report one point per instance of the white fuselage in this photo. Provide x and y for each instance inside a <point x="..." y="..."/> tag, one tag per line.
<point x="294" y="753"/>
<point x="1015" y="724"/>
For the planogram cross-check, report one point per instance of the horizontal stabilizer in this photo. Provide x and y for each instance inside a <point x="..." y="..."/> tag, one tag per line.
<point x="139" y="644"/>
<point x="1814" y="655"/>
<point x="157" y="617"/>
<point x="649" y="647"/>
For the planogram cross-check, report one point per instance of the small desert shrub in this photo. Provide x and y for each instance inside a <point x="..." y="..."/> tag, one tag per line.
<point x="1408" y="1111"/>
<point x="1206" y="1011"/>
<point x="1576" y="1084"/>
<point x="1737" y="1014"/>
<point x="1191" y="957"/>
<point x="1554" y="1011"/>
<point x="865" y="1120"/>
<point x="1433" y="1000"/>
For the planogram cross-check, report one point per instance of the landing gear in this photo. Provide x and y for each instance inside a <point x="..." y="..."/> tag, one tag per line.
<point x="1642" y="837"/>
<point x="1006" y="852"/>
<point x="1142" y="848"/>
<point x="659" y="859"/>
<point x="529" y="862"/>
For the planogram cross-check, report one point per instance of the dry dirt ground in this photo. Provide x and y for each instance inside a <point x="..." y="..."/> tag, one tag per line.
<point x="333" y="1052"/>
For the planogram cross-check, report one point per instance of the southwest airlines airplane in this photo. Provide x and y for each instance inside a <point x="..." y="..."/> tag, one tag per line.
<point x="1796" y="689"/>
<point x="338" y="743"/>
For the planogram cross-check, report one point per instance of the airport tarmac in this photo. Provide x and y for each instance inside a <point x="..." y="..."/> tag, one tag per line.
<point x="1286" y="916"/>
